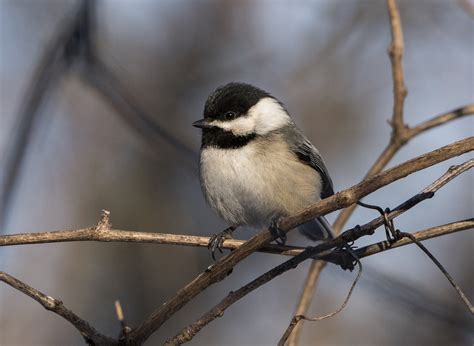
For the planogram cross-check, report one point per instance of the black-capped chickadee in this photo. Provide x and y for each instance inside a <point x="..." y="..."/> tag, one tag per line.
<point x="255" y="164"/>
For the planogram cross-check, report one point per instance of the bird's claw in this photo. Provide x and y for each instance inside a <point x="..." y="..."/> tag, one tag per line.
<point x="217" y="241"/>
<point x="277" y="233"/>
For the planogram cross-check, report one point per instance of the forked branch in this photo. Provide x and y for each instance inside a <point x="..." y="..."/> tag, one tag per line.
<point x="401" y="135"/>
<point x="322" y="251"/>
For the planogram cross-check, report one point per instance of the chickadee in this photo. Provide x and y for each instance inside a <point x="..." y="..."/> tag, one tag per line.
<point x="255" y="164"/>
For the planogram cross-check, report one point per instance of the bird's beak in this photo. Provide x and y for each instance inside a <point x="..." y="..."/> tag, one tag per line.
<point x="202" y="124"/>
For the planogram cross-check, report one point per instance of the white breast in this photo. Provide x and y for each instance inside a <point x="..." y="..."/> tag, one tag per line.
<point x="257" y="182"/>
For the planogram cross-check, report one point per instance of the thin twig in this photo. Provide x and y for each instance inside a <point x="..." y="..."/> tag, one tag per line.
<point x="218" y="311"/>
<point x="297" y="318"/>
<point x="392" y="148"/>
<point x="385" y="245"/>
<point x="103" y="232"/>
<point x="317" y="251"/>
<point x="90" y="334"/>
<point x="315" y="269"/>
<point x="350" y="196"/>
<point x="395" y="145"/>
<point x="124" y="329"/>
<point x="441" y="119"/>
<point x="340" y="200"/>
<point x="401" y="134"/>
<point x="117" y="235"/>
<point x="426" y="193"/>
<point x="441" y="268"/>
<point x="371" y="249"/>
<point x="396" y="57"/>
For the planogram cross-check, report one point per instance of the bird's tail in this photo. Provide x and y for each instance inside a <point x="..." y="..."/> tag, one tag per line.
<point x="317" y="229"/>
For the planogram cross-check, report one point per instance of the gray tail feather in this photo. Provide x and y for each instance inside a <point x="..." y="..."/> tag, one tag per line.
<point x="317" y="229"/>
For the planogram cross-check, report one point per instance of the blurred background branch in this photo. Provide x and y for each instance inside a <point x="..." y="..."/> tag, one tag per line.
<point x="401" y="134"/>
<point x="112" y="130"/>
<point x="219" y="270"/>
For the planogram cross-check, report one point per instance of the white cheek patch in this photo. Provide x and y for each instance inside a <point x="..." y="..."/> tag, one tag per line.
<point x="265" y="116"/>
<point x="269" y="115"/>
<point x="241" y="126"/>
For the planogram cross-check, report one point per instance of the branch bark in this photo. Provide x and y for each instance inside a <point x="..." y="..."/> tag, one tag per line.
<point x="117" y="235"/>
<point x="103" y="232"/>
<point x="338" y="201"/>
<point x="400" y="136"/>
<point x="90" y="334"/>
<point x="349" y="236"/>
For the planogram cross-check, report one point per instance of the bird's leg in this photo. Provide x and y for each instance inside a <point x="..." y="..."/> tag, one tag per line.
<point x="217" y="240"/>
<point x="277" y="233"/>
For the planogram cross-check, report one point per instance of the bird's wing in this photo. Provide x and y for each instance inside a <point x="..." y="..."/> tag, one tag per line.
<point x="310" y="156"/>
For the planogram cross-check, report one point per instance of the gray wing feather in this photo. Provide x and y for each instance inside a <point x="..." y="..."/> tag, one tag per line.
<point x="309" y="155"/>
<point x="319" y="228"/>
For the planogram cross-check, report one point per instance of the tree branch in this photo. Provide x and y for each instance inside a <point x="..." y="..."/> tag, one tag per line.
<point x="103" y="232"/>
<point x="349" y="236"/>
<point x="90" y="334"/>
<point x="117" y="235"/>
<point x="401" y="134"/>
<point x="396" y="56"/>
<point x="298" y="318"/>
<point x="338" y="201"/>
<point x="441" y="119"/>
<point x="186" y="334"/>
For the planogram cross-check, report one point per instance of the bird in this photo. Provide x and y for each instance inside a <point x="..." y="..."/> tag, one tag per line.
<point x="256" y="166"/>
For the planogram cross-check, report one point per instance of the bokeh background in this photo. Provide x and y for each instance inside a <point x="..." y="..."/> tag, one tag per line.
<point x="137" y="157"/>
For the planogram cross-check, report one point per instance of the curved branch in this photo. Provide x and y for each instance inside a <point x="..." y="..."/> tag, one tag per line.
<point x="401" y="134"/>
<point x="90" y="334"/>
<point x="103" y="232"/>
<point x="340" y="200"/>
<point x="319" y="251"/>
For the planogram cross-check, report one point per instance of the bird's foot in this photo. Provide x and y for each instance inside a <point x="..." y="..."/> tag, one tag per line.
<point x="217" y="240"/>
<point x="278" y="235"/>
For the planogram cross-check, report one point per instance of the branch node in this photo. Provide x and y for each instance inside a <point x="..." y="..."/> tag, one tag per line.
<point x="104" y="223"/>
<point x="125" y="330"/>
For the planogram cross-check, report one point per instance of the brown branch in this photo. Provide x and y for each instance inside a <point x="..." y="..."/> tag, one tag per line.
<point x="396" y="144"/>
<point x="441" y="268"/>
<point x="426" y="193"/>
<point x="441" y="119"/>
<point x="90" y="334"/>
<point x="392" y="148"/>
<point x="429" y="233"/>
<point x="396" y="56"/>
<point x="317" y="251"/>
<point x="401" y="134"/>
<point x="340" y="200"/>
<point x="117" y="235"/>
<point x="186" y="334"/>
<point x="297" y="318"/>
<point x="104" y="232"/>
<point x="368" y="228"/>
<point x="189" y="332"/>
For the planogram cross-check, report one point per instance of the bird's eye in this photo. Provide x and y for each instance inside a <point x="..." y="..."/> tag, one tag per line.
<point x="230" y="115"/>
